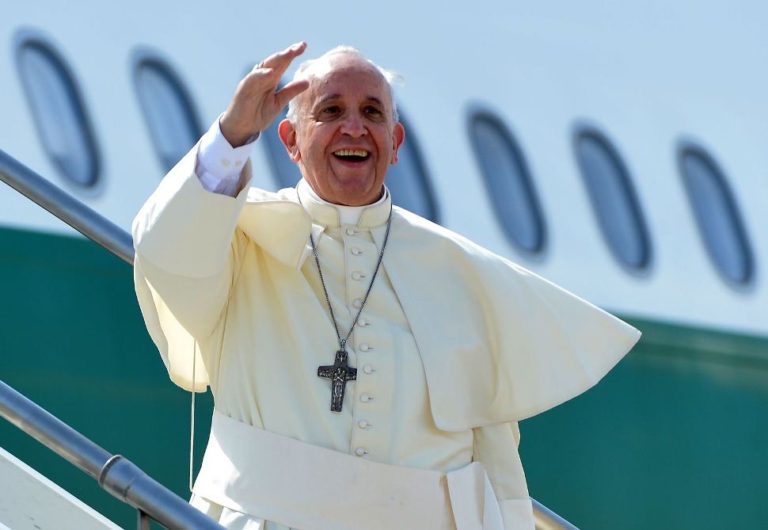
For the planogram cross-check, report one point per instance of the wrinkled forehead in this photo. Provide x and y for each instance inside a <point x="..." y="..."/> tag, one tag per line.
<point x="342" y="72"/>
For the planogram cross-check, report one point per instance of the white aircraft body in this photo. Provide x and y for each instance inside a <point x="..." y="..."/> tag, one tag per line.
<point x="617" y="149"/>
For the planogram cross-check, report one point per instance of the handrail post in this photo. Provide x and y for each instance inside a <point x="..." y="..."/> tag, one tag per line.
<point x="143" y="520"/>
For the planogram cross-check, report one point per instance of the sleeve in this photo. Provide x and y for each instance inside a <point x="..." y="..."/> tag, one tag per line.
<point x="219" y="165"/>
<point x="186" y="252"/>
<point x="495" y="446"/>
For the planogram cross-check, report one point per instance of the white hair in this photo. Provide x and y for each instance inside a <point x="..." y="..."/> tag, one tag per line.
<point x="306" y="71"/>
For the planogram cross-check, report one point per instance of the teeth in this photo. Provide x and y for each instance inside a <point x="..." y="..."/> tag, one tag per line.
<point x="351" y="152"/>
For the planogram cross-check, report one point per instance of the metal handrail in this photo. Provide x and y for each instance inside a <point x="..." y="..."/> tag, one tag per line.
<point x="65" y="207"/>
<point x="116" y="474"/>
<point x="546" y="519"/>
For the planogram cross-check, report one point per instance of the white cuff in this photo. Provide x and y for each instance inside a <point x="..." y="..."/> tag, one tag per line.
<point x="219" y="165"/>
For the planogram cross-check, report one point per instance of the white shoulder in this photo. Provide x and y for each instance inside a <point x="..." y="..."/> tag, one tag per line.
<point x="256" y="195"/>
<point x="441" y="235"/>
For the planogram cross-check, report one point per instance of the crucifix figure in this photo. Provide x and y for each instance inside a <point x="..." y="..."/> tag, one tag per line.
<point x="339" y="373"/>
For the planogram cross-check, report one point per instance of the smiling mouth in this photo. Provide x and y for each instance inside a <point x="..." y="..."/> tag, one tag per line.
<point x="352" y="155"/>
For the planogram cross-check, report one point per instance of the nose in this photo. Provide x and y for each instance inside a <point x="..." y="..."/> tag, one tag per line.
<point x="353" y="125"/>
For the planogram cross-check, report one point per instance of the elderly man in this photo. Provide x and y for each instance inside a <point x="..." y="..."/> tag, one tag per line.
<point x="368" y="367"/>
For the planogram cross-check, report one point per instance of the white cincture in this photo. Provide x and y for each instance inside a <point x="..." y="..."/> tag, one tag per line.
<point x="304" y="486"/>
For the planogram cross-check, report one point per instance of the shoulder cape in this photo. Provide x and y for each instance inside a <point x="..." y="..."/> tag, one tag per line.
<point x="498" y="342"/>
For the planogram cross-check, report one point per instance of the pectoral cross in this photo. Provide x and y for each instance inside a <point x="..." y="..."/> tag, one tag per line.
<point x="339" y="373"/>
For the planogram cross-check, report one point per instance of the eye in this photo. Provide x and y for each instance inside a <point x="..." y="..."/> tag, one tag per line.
<point x="331" y="111"/>
<point x="373" y="112"/>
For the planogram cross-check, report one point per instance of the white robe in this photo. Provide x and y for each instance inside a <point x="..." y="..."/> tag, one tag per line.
<point x="454" y="345"/>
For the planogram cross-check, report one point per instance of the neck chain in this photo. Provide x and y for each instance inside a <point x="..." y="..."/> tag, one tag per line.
<point x="340" y="372"/>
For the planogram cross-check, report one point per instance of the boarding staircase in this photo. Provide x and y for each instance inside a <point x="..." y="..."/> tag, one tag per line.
<point x="29" y="501"/>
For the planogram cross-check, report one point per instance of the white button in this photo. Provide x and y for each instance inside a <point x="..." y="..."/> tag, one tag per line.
<point x="368" y="369"/>
<point x="365" y="347"/>
<point x="357" y="303"/>
<point x="363" y="424"/>
<point x="363" y="322"/>
<point x="365" y="398"/>
<point x="351" y="231"/>
<point x="358" y="275"/>
<point x="238" y="163"/>
<point x="356" y="251"/>
<point x="360" y="451"/>
<point x="225" y="162"/>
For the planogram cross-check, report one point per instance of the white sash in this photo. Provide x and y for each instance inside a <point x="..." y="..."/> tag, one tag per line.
<point x="308" y="487"/>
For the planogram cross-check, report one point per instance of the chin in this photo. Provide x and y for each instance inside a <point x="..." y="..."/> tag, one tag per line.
<point x="357" y="194"/>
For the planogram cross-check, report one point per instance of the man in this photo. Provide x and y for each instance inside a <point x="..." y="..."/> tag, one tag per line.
<point x="368" y="367"/>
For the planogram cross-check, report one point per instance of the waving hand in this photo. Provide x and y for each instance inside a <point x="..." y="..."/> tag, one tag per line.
<point x="257" y="101"/>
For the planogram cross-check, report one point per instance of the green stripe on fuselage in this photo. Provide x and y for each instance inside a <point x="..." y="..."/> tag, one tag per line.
<point x="675" y="437"/>
<point x="72" y="339"/>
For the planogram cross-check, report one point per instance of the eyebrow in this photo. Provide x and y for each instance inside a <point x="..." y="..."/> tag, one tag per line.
<point x="331" y="97"/>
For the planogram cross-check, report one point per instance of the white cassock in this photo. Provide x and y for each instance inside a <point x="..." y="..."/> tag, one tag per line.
<point x="453" y="347"/>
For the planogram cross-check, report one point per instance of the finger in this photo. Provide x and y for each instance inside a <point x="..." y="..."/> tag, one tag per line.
<point x="281" y="60"/>
<point x="290" y="91"/>
<point x="258" y="80"/>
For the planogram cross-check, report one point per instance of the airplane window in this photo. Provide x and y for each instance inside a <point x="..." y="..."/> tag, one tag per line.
<point x="168" y="109"/>
<point x="613" y="199"/>
<point x="717" y="215"/>
<point x="507" y="181"/>
<point x="59" y="112"/>
<point x="407" y="180"/>
<point x="285" y="172"/>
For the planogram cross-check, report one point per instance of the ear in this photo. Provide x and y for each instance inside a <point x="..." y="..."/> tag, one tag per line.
<point x="287" y="133"/>
<point x="398" y="136"/>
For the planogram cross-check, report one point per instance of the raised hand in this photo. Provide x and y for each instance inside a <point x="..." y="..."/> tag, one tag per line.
<point x="257" y="101"/>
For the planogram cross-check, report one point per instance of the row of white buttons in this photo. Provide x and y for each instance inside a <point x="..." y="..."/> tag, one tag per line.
<point x="368" y="369"/>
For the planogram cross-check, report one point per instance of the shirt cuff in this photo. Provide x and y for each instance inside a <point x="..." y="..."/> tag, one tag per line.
<point x="219" y="165"/>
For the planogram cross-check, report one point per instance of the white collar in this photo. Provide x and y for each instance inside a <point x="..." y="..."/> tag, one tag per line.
<point x="319" y="208"/>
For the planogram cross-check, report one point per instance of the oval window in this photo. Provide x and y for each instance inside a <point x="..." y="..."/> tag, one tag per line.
<point x="284" y="170"/>
<point x="408" y="180"/>
<point x="613" y="199"/>
<point x="507" y="181"/>
<point x="59" y="111"/>
<point x="168" y="108"/>
<point x="717" y="215"/>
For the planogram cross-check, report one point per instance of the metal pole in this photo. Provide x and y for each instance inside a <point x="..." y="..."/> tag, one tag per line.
<point x="116" y="474"/>
<point x="65" y="207"/>
<point x="143" y="521"/>
<point x="51" y="432"/>
<point x="546" y="519"/>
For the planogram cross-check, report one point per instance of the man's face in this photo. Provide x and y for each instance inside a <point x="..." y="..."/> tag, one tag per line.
<point x="345" y="137"/>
